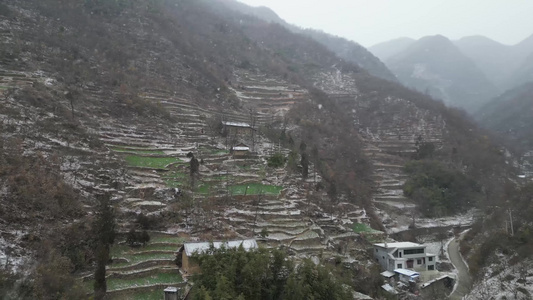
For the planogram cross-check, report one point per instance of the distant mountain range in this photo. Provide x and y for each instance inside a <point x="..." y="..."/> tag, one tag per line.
<point x="348" y="50"/>
<point x="466" y="73"/>
<point x="506" y="66"/>
<point x="434" y="65"/>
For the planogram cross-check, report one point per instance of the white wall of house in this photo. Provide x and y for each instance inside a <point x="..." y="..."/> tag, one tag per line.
<point x="412" y="257"/>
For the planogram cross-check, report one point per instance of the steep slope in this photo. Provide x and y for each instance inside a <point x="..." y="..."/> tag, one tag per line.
<point x="352" y="52"/>
<point x="524" y="73"/>
<point x="524" y="48"/>
<point x="511" y="115"/>
<point x="435" y="66"/>
<point x="506" y="66"/>
<point x="386" y="50"/>
<point x="345" y="49"/>
<point x="493" y="58"/>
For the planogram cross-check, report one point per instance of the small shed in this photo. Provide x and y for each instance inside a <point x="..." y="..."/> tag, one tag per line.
<point x="389" y="276"/>
<point x="172" y="293"/>
<point x="240" y="150"/>
<point x="407" y="275"/>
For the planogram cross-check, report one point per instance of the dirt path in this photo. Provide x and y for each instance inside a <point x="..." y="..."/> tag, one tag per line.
<point x="464" y="281"/>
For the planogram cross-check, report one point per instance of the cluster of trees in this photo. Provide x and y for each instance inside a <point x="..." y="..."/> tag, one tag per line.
<point x="136" y="238"/>
<point x="277" y="160"/>
<point x="439" y="190"/>
<point x="264" y="274"/>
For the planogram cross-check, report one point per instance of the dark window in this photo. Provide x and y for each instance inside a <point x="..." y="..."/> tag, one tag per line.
<point x="419" y="261"/>
<point x="413" y="251"/>
<point x="431" y="268"/>
<point x="430" y="258"/>
<point x="399" y="266"/>
<point x="376" y="250"/>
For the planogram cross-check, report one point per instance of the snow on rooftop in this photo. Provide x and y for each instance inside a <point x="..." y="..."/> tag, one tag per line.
<point x="237" y="124"/>
<point x="241" y="148"/>
<point x="400" y="245"/>
<point x="171" y="289"/>
<point x="191" y="248"/>
<point x="387" y="274"/>
<point x="387" y="287"/>
<point x="406" y="272"/>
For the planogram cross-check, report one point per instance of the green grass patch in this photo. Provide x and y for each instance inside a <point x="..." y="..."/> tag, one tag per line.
<point x="174" y="178"/>
<point x="155" y="294"/>
<point x="212" y="151"/>
<point x="155" y="238"/>
<point x="138" y="150"/>
<point x="363" y="228"/>
<point x="138" y="258"/>
<point x="255" y="189"/>
<point x="160" y="278"/>
<point x="124" y="250"/>
<point x="151" y="162"/>
<point x="205" y="188"/>
<point x="171" y="183"/>
<point x="3" y="87"/>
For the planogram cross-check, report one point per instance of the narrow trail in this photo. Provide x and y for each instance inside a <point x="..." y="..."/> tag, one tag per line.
<point x="464" y="280"/>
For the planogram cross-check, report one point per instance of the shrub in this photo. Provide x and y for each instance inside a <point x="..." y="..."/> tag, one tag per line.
<point x="276" y="161"/>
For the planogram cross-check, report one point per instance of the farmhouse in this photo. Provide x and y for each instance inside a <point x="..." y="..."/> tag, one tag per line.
<point x="241" y="150"/>
<point x="185" y="253"/>
<point x="404" y="255"/>
<point x="237" y="128"/>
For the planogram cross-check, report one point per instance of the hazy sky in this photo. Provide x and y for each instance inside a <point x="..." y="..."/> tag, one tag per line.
<point x="369" y="22"/>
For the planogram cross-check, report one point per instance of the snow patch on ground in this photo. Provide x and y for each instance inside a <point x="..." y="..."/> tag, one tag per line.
<point x="501" y="281"/>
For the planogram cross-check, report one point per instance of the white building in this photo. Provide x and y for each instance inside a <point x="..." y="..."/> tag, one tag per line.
<point x="404" y="255"/>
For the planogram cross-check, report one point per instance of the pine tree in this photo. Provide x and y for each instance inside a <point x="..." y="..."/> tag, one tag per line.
<point x="104" y="228"/>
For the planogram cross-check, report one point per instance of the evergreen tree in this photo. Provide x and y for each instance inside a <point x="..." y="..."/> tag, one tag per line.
<point x="305" y="165"/>
<point x="104" y="228"/>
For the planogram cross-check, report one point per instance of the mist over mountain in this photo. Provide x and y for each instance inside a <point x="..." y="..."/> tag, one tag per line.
<point x="388" y="49"/>
<point x="345" y="49"/>
<point x="434" y="65"/>
<point x="506" y="66"/>
<point x="511" y="115"/>
<point x="493" y="58"/>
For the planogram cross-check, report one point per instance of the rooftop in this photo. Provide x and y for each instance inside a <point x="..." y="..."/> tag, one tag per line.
<point x="241" y="148"/>
<point x="236" y="124"/>
<point x="399" y="245"/>
<point x="387" y="274"/>
<point x="407" y="272"/>
<point x="191" y="248"/>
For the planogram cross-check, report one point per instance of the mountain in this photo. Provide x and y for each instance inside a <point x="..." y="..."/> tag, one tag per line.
<point x="524" y="73"/>
<point x="511" y="115"/>
<point x="436" y="66"/>
<point x="506" y="66"/>
<point x="493" y="58"/>
<point x="390" y="48"/>
<point x="345" y="49"/>
<point x="133" y="111"/>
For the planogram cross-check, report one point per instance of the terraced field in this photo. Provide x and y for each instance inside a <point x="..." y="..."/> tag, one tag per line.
<point x="143" y="272"/>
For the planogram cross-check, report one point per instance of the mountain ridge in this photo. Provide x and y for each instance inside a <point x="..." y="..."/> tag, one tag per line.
<point x="435" y="65"/>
